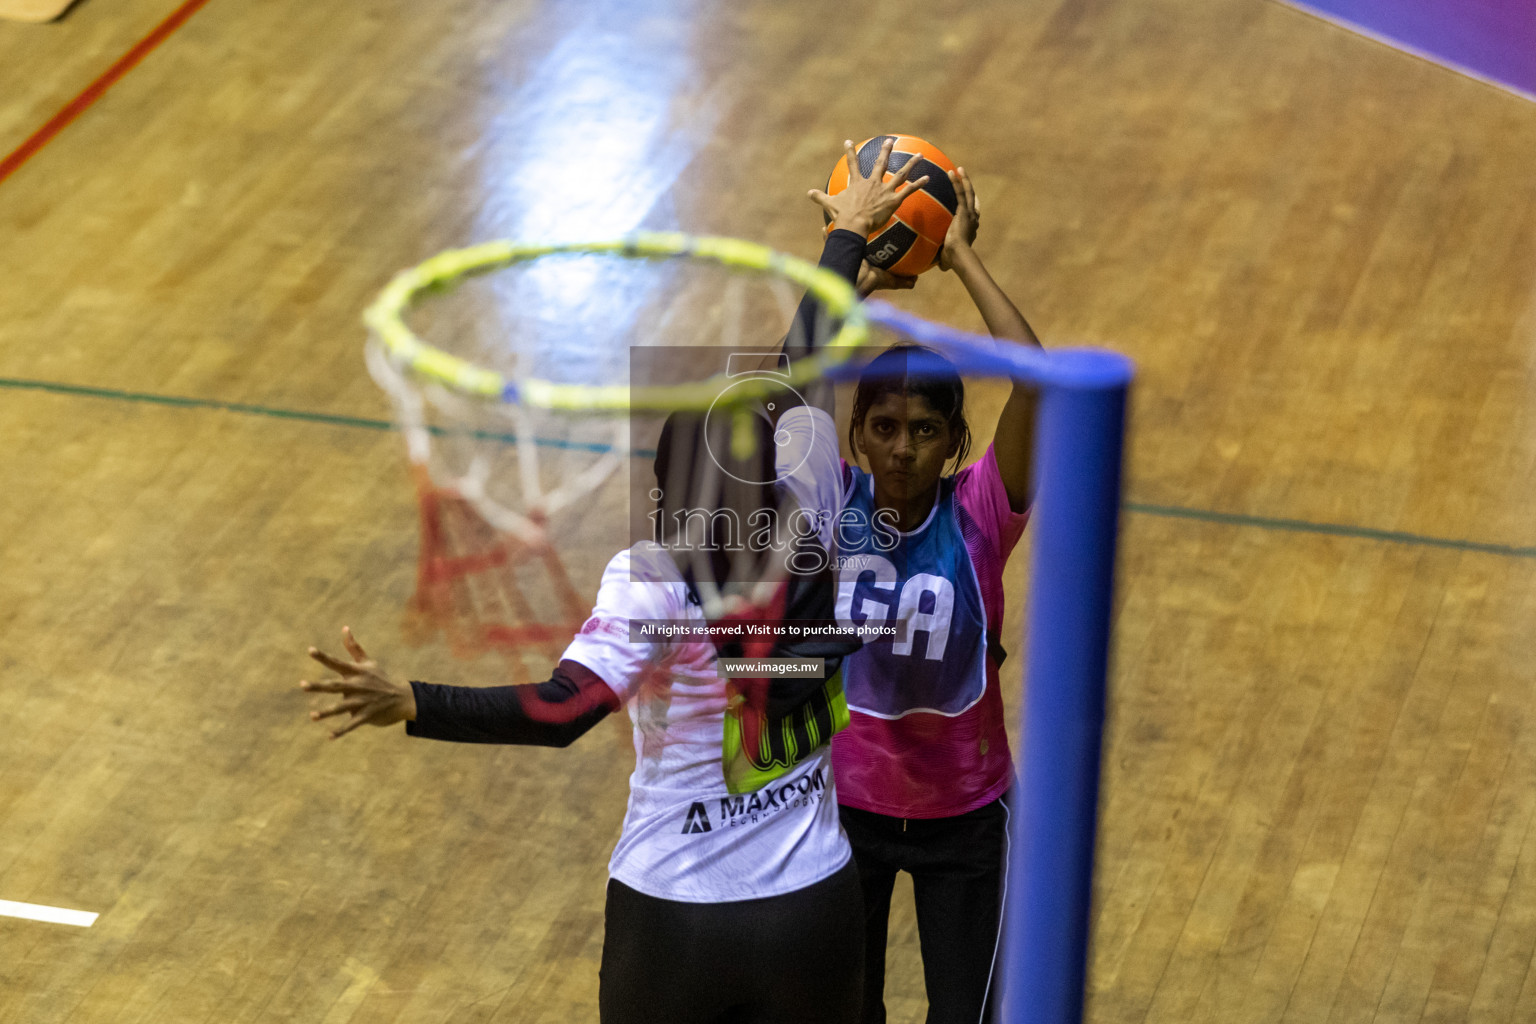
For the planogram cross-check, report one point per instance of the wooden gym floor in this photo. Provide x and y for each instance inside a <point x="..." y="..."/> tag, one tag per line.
<point x="1321" y="767"/>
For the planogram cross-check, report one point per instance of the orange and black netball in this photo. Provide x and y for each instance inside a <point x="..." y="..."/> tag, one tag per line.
<point x="909" y="242"/>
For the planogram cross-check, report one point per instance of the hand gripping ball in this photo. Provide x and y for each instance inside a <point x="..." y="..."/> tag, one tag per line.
<point x="909" y="242"/>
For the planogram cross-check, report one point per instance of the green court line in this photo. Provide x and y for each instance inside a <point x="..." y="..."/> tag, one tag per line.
<point x="1141" y="508"/>
<point x="333" y="419"/>
<point x="192" y="403"/>
<point x="1329" y="529"/>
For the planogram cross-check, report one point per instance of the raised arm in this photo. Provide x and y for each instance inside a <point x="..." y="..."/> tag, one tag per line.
<point x="1014" y="441"/>
<point x="549" y="714"/>
<point x="852" y="214"/>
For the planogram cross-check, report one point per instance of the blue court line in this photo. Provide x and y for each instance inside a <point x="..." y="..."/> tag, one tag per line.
<point x="1141" y="508"/>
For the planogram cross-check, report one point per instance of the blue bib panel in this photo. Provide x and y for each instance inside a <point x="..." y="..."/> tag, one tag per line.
<point x="925" y="580"/>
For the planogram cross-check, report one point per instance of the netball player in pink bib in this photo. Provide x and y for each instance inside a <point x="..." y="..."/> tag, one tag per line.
<point x="924" y="767"/>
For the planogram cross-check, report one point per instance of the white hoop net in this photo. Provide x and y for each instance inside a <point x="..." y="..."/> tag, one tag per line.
<point x="523" y="505"/>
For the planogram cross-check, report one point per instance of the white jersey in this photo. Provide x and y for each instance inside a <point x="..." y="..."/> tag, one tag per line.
<point x="686" y="836"/>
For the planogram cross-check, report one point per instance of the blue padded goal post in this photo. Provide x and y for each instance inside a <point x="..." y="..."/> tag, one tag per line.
<point x="1079" y="450"/>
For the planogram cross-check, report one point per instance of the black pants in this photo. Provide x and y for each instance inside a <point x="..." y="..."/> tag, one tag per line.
<point x="959" y="870"/>
<point x="791" y="959"/>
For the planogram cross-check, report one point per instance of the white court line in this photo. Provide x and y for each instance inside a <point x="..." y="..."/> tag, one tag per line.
<point x="53" y="915"/>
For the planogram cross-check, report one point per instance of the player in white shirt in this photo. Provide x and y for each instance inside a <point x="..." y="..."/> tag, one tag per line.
<point x="732" y="894"/>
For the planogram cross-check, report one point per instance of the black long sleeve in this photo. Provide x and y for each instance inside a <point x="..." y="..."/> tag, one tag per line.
<point x="842" y="254"/>
<point x="549" y="714"/>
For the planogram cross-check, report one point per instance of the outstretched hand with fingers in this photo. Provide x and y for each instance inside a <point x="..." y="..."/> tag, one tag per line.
<point x="368" y="695"/>
<point x="867" y="203"/>
<point x="967" y="219"/>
